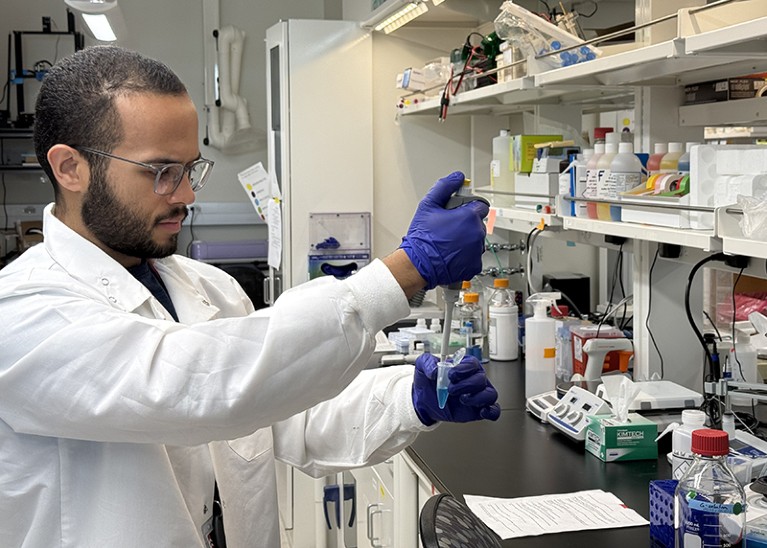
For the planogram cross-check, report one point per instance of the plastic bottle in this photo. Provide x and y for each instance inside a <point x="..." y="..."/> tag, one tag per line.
<point x="670" y="161"/>
<point x="540" y="345"/>
<point x="626" y="172"/>
<point x="581" y="179"/>
<point x="709" y="502"/>
<point x="587" y="209"/>
<point x="653" y="162"/>
<point x="471" y="329"/>
<point x="602" y="211"/>
<point x="683" y="165"/>
<point x="681" y="441"/>
<point x="501" y="176"/>
<point x="502" y="328"/>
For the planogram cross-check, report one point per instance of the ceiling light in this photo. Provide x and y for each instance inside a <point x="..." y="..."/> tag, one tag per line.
<point x="99" y="27"/>
<point x="392" y="14"/>
<point x="437" y="2"/>
<point x="102" y="18"/>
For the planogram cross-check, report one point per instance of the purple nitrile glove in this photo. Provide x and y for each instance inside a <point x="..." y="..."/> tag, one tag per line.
<point x="446" y="245"/>
<point x="471" y="396"/>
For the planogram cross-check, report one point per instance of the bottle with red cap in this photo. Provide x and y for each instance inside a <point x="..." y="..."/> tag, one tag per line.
<point x="710" y="502"/>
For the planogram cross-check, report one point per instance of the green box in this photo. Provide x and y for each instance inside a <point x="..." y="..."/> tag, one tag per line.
<point x="612" y="441"/>
<point x="523" y="150"/>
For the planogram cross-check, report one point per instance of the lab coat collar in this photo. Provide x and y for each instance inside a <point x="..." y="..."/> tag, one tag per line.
<point x="86" y="262"/>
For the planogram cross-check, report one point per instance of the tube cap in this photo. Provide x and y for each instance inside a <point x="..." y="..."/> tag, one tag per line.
<point x="710" y="443"/>
<point x="501" y="282"/>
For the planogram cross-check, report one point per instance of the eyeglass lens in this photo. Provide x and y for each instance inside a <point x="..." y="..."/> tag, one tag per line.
<point x="170" y="176"/>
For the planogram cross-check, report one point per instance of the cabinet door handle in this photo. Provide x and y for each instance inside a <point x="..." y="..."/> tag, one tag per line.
<point x="372" y="510"/>
<point x="267" y="291"/>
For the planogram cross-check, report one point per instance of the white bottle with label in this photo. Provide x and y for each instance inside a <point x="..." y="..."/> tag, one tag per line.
<point x="626" y="173"/>
<point x="540" y="346"/>
<point x="501" y="176"/>
<point x="602" y="211"/>
<point x="583" y="209"/>
<point x="503" y="328"/>
<point x="681" y="441"/>
<point x="581" y="179"/>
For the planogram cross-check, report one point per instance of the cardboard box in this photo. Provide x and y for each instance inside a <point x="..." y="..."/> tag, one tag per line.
<point x="726" y="89"/>
<point x="613" y="441"/>
<point x="523" y="150"/>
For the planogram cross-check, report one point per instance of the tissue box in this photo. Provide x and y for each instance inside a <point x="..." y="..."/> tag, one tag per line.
<point x="613" y="441"/>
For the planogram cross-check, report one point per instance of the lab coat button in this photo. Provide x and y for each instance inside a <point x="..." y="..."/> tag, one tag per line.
<point x="113" y="300"/>
<point x="206" y="303"/>
<point x="104" y="281"/>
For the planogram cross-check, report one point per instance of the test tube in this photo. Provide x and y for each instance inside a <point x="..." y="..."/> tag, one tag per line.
<point x="443" y="381"/>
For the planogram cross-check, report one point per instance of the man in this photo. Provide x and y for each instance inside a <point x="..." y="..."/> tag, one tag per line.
<point x="134" y="381"/>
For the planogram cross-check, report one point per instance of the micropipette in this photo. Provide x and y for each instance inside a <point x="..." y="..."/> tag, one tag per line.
<point x="442" y="376"/>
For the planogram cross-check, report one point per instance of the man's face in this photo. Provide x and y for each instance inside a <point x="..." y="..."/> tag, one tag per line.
<point x="120" y="208"/>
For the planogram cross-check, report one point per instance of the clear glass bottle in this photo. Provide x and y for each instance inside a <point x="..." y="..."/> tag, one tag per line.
<point x="471" y="328"/>
<point x="503" y="314"/>
<point x="709" y="502"/>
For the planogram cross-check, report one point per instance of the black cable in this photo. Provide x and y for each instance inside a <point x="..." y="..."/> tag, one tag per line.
<point x="5" y="200"/>
<point x="596" y="8"/>
<point x="649" y="310"/>
<point x="698" y="334"/>
<point x="719" y="335"/>
<point x="734" y="348"/>
<point x="191" y="230"/>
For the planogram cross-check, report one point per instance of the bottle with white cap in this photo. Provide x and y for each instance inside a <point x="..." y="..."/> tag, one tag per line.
<point x="670" y="161"/>
<point x="602" y="211"/>
<point x="626" y="173"/>
<point x="681" y="441"/>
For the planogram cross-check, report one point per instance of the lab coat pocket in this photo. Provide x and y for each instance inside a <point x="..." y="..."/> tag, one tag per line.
<point x="253" y="446"/>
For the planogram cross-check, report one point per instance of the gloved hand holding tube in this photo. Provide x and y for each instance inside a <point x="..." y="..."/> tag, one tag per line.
<point x="471" y="397"/>
<point x="446" y="245"/>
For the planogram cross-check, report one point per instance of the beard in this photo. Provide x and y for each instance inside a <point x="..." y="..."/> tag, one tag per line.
<point x="121" y="229"/>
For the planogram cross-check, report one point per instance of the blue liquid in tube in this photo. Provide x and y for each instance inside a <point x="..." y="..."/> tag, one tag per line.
<point x="442" y="397"/>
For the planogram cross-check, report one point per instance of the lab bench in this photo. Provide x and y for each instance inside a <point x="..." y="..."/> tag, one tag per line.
<point x="519" y="456"/>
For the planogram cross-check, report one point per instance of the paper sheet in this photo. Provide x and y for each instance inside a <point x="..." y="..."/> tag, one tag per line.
<point x="258" y="186"/>
<point x="538" y="515"/>
<point x="275" y="233"/>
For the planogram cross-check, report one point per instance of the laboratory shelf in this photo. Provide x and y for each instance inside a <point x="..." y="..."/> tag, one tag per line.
<point x="748" y="39"/>
<point x="733" y="240"/>
<point x="726" y="113"/>
<point x="523" y="220"/>
<point x="699" y="239"/>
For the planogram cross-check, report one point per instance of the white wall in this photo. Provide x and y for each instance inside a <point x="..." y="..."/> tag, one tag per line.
<point x="172" y="31"/>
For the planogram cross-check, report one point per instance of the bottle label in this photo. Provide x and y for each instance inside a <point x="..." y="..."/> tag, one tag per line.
<point x="495" y="168"/>
<point x="592" y="179"/>
<point x="713" y="507"/>
<point x="602" y="186"/>
<point x="622" y="182"/>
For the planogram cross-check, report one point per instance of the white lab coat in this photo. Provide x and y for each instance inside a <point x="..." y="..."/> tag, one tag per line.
<point x="114" y="418"/>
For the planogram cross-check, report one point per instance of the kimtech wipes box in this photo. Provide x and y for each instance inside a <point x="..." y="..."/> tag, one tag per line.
<point x="611" y="440"/>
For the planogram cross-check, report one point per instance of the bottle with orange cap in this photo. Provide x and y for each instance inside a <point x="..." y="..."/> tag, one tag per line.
<point x="471" y="327"/>
<point x="503" y="322"/>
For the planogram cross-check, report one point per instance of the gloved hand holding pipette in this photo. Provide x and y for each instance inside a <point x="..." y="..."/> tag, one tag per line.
<point x="471" y="397"/>
<point x="446" y="245"/>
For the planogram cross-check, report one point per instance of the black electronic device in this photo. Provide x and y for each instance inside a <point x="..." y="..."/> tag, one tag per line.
<point x="576" y="286"/>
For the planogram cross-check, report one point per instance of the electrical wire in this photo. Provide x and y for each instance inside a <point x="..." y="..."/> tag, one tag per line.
<point x="734" y="339"/>
<point x="719" y="335"/>
<point x="191" y="230"/>
<point x="698" y="334"/>
<point x="649" y="311"/>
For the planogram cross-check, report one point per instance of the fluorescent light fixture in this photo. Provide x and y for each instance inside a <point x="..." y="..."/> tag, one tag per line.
<point x="390" y="15"/>
<point x="102" y="18"/>
<point x="437" y="2"/>
<point x="406" y="14"/>
<point x="100" y="27"/>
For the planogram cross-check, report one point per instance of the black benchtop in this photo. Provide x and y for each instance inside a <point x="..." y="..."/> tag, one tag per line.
<point x="519" y="456"/>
